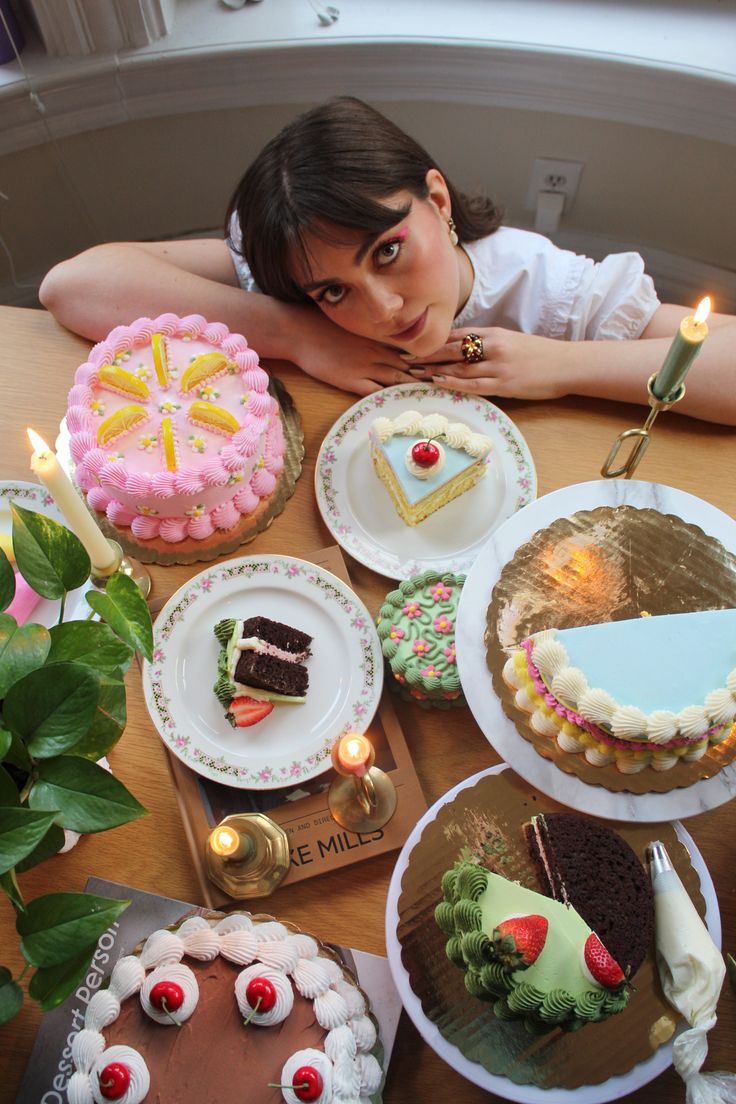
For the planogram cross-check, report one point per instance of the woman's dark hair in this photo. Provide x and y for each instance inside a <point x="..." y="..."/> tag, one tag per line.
<point x="329" y="168"/>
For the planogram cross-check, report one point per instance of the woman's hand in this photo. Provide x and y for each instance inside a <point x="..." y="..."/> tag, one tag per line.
<point x="342" y="359"/>
<point x="514" y="365"/>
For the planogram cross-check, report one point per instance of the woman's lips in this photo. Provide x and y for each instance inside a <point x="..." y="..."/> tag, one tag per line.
<point x="413" y="330"/>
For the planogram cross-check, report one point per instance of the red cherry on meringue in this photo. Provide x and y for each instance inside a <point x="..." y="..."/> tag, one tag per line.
<point x="114" y="1081"/>
<point x="260" y="988"/>
<point x="167" y="996"/>
<point x="307" y="1084"/>
<point x="425" y="454"/>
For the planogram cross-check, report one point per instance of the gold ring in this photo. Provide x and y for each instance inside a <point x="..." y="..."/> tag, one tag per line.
<point x="472" y="348"/>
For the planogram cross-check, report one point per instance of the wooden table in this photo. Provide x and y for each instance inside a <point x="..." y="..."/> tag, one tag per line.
<point x="569" y="440"/>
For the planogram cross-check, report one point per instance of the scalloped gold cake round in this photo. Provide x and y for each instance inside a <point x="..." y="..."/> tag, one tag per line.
<point x="600" y="566"/>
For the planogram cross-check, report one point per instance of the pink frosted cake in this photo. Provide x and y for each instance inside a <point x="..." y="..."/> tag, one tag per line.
<point x="173" y="431"/>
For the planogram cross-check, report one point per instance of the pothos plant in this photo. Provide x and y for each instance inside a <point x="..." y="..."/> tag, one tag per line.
<point x="62" y="707"/>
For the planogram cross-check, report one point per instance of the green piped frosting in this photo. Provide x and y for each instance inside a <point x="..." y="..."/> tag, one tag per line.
<point x="470" y="893"/>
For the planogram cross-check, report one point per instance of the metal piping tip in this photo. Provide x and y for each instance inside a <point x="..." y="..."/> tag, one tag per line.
<point x="659" y="860"/>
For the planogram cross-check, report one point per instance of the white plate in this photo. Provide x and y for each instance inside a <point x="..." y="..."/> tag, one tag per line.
<point x="358" y="511"/>
<point x="612" y="1089"/>
<point x="293" y="743"/>
<point x="476" y="679"/>
<point x="31" y="496"/>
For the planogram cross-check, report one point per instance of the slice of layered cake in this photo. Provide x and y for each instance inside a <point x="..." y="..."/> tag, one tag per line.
<point x="549" y="962"/>
<point x="261" y="662"/>
<point x="646" y="691"/>
<point x="425" y="461"/>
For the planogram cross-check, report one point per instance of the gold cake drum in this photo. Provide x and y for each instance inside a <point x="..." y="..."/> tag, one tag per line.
<point x="608" y="564"/>
<point x="220" y="543"/>
<point x="487" y="819"/>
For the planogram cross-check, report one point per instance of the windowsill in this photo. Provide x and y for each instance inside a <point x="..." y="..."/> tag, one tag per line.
<point x="667" y="65"/>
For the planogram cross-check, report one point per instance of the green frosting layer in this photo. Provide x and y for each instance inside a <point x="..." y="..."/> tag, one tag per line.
<point x="555" y="990"/>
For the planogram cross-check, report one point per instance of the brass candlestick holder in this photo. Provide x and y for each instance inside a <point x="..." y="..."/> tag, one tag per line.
<point x="640" y="437"/>
<point x="126" y="565"/>
<point x="362" y="798"/>
<point x="247" y="855"/>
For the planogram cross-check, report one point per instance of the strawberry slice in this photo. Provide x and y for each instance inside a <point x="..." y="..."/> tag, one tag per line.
<point x="247" y="711"/>
<point x="518" y="941"/>
<point x="601" y="966"/>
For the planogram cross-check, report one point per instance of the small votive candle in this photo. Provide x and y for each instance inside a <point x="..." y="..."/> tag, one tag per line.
<point x="354" y="755"/>
<point x="229" y="844"/>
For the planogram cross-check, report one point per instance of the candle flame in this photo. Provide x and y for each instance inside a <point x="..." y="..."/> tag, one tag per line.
<point x="702" y="310"/>
<point x="355" y="749"/>
<point x="39" y="445"/>
<point x="224" y="841"/>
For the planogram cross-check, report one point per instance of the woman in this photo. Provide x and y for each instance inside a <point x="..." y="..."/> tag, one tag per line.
<point x="350" y="253"/>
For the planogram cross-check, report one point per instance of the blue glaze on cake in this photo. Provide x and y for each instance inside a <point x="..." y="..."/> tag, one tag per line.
<point x="456" y="461"/>
<point x="666" y="662"/>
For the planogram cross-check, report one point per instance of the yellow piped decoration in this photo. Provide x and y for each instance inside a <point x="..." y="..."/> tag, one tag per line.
<point x="125" y="383"/>
<point x="202" y="368"/>
<point x="167" y="438"/>
<point x="213" y="417"/>
<point x="122" y="421"/>
<point x="160" y="359"/>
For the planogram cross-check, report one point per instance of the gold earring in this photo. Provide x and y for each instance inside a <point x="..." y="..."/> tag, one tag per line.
<point x="452" y="229"/>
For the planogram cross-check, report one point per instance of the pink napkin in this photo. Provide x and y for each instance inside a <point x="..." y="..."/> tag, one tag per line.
<point x="25" y="600"/>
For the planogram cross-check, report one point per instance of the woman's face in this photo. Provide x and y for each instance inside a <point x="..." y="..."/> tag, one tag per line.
<point x="402" y="288"/>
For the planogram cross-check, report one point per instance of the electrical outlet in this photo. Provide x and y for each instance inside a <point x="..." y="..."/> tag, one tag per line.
<point x="549" y="175"/>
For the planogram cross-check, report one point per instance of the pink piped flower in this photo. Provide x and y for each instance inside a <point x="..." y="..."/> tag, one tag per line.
<point x="97" y="407"/>
<point x="442" y="624"/>
<point x="420" y="647"/>
<point x="396" y="633"/>
<point x="440" y="592"/>
<point x="450" y="653"/>
<point x="411" y="610"/>
<point x="430" y="672"/>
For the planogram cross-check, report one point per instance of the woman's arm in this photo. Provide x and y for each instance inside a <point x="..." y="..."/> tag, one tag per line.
<point x="113" y="284"/>
<point x="524" y="366"/>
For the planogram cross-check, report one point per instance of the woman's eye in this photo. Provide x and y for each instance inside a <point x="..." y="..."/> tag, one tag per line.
<point x="387" y="252"/>
<point x="332" y="294"/>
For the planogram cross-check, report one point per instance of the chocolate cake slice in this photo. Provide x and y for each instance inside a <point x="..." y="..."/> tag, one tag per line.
<point x="267" y="672"/>
<point x="589" y="866"/>
<point x="262" y="659"/>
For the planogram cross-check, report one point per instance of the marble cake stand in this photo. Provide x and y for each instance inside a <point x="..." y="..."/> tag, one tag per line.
<point x="476" y="678"/>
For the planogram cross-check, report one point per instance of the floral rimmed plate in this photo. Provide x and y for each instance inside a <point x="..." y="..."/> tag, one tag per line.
<point x="293" y="743"/>
<point x="358" y="511"/>
<point x="32" y="496"/>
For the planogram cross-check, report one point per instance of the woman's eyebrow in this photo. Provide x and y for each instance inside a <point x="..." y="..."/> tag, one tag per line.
<point x="357" y="258"/>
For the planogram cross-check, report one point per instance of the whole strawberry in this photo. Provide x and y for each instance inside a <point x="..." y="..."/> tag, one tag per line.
<point x="601" y="966"/>
<point x="518" y="941"/>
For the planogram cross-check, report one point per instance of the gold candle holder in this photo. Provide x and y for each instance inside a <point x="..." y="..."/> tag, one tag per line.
<point x="362" y="798"/>
<point x="126" y="565"/>
<point x="247" y="855"/>
<point x="640" y="437"/>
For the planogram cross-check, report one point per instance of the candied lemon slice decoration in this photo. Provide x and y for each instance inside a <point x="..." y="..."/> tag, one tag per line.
<point x="203" y="367"/>
<point x="167" y="437"/>
<point x="160" y="359"/>
<point x="125" y="383"/>
<point x="122" y="421"/>
<point x="213" y="417"/>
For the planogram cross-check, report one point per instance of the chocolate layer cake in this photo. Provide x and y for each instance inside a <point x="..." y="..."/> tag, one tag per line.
<point x="267" y="672"/>
<point x="589" y="866"/>
<point x="263" y="660"/>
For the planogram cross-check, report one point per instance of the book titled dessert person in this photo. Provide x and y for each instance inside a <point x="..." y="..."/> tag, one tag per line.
<point x="50" y="1064"/>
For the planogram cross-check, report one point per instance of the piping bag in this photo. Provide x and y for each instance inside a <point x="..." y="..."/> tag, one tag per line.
<point x="691" y="970"/>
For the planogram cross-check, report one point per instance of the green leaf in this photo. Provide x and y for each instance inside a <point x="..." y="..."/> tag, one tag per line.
<point x="7" y="581"/>
<point x="20" y="831"/>
<point x="59" y="926"/>
<point x="90" y="643"/>
<point x="9" y="794"/>
<point x="6" y="741"/>
<point x="52" y="708"/>
<point x="18" y="755"/>
<point x="11" y="996"/>
<point x="22" y="650"/>
<point x="9" y="882"/>
<point x="49" y="557"/>
<point x="125" y="610"/>
<point x="53" y="984"/>
<point x="50" y="845"/>
<point x="108" y="722"/>
<point x="88" y="798"/>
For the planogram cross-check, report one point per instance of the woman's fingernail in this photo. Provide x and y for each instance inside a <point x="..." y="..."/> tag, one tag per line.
<point x="439" y="379"/>
<point x="407" y="356"/>
<point x="416" y="368"/>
